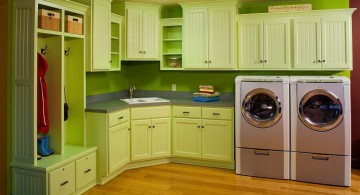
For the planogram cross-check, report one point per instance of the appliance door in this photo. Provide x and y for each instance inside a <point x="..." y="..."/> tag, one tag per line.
<point x="261" y="108"/>
<point x="320" y="110"/>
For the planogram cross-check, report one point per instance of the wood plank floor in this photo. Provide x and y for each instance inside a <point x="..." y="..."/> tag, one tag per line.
<point x="187" y="179"/>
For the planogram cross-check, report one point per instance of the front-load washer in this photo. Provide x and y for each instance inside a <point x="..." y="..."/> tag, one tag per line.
<point x="320" y="129"/>
<point x="262" y="127"/>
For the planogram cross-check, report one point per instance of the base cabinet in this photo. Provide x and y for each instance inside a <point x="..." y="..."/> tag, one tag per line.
<point x="150" y="133"/>
<point x="203" y="133"/>
<point x="62" y="181"/>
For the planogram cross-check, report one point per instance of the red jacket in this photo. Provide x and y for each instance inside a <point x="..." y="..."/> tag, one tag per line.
<point x="42" y="103"/>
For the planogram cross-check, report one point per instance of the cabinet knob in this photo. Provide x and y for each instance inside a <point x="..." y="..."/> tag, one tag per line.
<point x="261" y="61"/>
<point x="265" y="61"/>
<point x="110" y="61"/>
<point x="319" y="61"/>
<point x="129" y="129"/>
<point x="206" y="61"/>
<point x="210" y="61"/>
<point x="140" y="51"/>
<point x="199" y="126"/>
<point x="323" y="61"/>
<point x="144" y="51"/>
<point x="150" y="126"/>
<point x="153" y="126"/>
<point x="202" y="126"/>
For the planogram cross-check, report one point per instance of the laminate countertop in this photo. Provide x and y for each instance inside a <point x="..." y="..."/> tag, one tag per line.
<point x="112" y="105"/>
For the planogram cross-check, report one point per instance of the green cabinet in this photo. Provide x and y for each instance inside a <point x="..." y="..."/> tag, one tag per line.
<point x="142" y="29"/>
<point x="116" y="42"/>
<point x="209" y="35"/>
<point x="263" y="43"/>
<point x="150" y="133"/>
<point x="323" y="42"/>
<point x="203" y="133"/>
<point x="110" y="132"/>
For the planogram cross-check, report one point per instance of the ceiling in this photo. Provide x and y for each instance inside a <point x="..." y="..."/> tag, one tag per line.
<point x="174" y="2"/>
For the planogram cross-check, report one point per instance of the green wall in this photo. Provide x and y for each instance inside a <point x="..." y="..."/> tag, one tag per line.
<point x="147" y="76"/>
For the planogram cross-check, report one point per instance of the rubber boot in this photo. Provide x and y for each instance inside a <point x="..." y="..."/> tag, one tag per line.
<point x="47" y="148"/>
<point x="41" y="147"/>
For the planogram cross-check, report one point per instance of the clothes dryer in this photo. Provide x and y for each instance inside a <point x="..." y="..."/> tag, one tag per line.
<point x="320" y="129"/>
<point x="262" y="126"/>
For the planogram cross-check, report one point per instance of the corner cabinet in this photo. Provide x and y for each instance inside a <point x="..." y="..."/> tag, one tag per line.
<point x="150" y="133"/>
<point x="257" y="40"/>
<point x="205" y="133"/>
<point x="323" y="42"/>
<point x="64" y="52"/>
<point x="209" y="35"/>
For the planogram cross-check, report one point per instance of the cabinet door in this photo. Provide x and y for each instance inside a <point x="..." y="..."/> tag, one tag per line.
<point x="134" y="34"/>
<point x="221" y="38"/>
<point x="195" y="41"/>
<point x="187" y="137"/>
<point x="101" y="48"/>
<point x="250" y="44"/>
<point x="277" y="44"/>
<point x="336" y="45"/>
<point x="150" y="34"/>
<point x="62" y="181"/>
<point x="217" y="140"/>
<point x="119" y="146"/>
<point x="140" y="139"/>
<point x="307" y="43"/>
<point x="160" y="138"/>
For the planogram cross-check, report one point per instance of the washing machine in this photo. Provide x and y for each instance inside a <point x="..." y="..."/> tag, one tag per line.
<point x="321" y="129"/>
<point x="262" y="127"/>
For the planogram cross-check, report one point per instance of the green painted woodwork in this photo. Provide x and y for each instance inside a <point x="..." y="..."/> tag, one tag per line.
<point x="160" y="137"/>
<point x="140" y="139"/>
<point x="147" y="76"/>
<point x="119" y="146"/>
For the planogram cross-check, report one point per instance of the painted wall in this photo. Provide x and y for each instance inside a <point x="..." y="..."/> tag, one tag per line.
<point x="147" y="76"/>
<point x="355" y="82"/>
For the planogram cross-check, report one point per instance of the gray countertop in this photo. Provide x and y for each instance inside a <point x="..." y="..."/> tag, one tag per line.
<point x="111" y="105"/>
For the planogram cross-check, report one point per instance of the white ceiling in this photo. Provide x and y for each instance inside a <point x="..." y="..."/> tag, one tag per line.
<point x="174" y="2"/>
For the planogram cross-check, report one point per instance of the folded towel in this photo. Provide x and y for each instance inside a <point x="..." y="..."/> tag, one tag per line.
<point x="200" y="94"/>
<point x="205" y="99"/>
<point x="206" y="88"/>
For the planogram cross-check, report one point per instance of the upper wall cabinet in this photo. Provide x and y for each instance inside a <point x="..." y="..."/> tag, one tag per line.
<point x="263" y="43"/>
<point x="314" y="40"/>
<point x="322" y="42"/>
<point x="142" y="29"/>
<point x="209" y="35"/>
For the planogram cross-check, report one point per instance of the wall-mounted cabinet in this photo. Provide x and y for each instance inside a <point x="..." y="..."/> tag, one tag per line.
<point x="312" y="40"/>
<point x="64" y="52"/>
<point x="116" y="41"/>
<point x="257" y="40"/>
<point x="209" y="35"/>
<point x="171" y="44"/>
<point x="142" y="29"/>
<point x="322" y="42"/>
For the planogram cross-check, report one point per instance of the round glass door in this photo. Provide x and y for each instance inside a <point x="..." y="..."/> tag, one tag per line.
<point x="320" y="110"/>
<point x="261" y="108"/>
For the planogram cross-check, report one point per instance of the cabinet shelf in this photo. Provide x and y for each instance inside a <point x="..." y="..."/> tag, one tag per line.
<point x="114" y="53"/>
<point x="48" y="33"/>
<point x="115" y="38"/>
<point x="171" y="54"/>
<point x="165" y="40"/>
<point x="74" y="35"/>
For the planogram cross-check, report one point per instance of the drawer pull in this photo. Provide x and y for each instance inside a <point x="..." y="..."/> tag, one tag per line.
<point x="261" y="152"/>
<point x="320" y="157"/>
<point x="121" y="117"/>
<point x="153" y="126"/>
<point x="186" y="112"/>
<point x="198" y="126"/>
<point x="149" y="126"/>
<point x="216" y="114"/>
<point x="87" y="171"/>
<point x="64" y="183"/>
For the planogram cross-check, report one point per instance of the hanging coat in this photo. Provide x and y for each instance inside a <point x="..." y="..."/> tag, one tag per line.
<point x="42" y="103"/>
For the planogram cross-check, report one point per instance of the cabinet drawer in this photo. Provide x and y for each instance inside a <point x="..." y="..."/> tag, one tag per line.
<point x="85" y="170"/>
<point x="118" y="117"/>
<point x="150" y="112"/>
<point x="217" y="113"/>
<point x="187" y="112"/>
<point x="62" y="181"/>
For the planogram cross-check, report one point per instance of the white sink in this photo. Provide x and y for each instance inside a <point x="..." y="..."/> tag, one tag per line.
<point x="144" y="100"/>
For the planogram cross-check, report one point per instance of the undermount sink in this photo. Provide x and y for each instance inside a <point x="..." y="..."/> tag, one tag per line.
<point x="144" y="100"/>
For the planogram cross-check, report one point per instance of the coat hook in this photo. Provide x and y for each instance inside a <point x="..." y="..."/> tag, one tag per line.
<point x="67" y="52"/>
<point x="43" y="50"/>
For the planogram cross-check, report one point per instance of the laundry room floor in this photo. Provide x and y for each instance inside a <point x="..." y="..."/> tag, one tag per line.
<point x="187" y="179"/>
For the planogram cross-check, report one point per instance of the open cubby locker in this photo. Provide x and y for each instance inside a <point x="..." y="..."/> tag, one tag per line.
<point x="74" y="90"/>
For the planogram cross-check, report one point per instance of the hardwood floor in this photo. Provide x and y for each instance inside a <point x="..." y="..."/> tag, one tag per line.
<point x="187" y="179"/>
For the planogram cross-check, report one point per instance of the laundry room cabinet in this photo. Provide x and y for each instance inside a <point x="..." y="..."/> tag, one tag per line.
<point x="142" y="33"/>
<point x="111" y="133"/>
<point x="209" y="35"/>
<point x="323" y="42"/>
<point x="263" y="43"/>
<point x="64" y="52"/>
<point x="150" y="133"/>
<point x="203" y="133"/>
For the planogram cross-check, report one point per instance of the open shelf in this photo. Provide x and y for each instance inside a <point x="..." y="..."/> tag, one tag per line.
<point x="171" y="43"/>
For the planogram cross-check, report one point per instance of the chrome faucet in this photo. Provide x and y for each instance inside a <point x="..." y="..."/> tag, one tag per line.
<point x="131" y="91"/>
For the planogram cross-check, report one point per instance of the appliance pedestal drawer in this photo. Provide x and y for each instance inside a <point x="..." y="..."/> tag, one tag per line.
<point x="263" y="163"/>
<point x="319" y="168"/>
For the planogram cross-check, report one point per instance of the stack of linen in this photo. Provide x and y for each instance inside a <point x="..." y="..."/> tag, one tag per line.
<point x="206" y="94"/>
